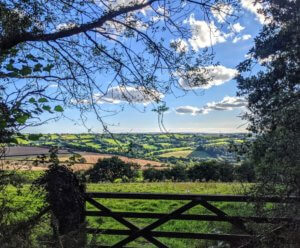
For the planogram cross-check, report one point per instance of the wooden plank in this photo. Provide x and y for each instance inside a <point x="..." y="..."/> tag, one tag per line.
<point x="216" y="198"/>
<point x="177" y="235"/>
<point x="220" y="213"/>
<point x="124" y="222"/>
<point x="157" y="223"/>
<point x="192" y="217"/>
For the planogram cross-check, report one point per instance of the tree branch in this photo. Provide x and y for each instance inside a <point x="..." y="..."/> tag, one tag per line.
<point x="10" y="42"/>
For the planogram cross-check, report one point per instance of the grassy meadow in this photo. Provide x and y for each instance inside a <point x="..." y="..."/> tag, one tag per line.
<point x="163" y="206"/>
<point x="30" y="202"/>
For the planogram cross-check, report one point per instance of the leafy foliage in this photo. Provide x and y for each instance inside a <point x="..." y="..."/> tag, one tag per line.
<point x="201" y="171"/>
<point x="110" y="169"/>
<point x="64" y="194"/>
<point x="274" y="109"/>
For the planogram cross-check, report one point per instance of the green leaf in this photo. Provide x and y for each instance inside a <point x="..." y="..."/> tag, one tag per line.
<point x="31" y="100"/>
<point x="10" y="67"/>
<point x="58" y="108"/>
<point x="22" y="118"/>
<point x="31" y="57"/>
<point x="37" y="67"/>
<point x="47" y="108"/>
<point x="3" y="124"/>
<point x="26" y="70"/>
<point x="43" y="99"/>
<point x="48" y="67"/>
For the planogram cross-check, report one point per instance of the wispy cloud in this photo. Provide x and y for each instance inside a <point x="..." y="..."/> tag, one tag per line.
<point x="204" y="34"/>
<point x="122" y="94"/>
<point x="188" y="110"/>
<point x="221" y="11"/>
<point x="206" y="77"/>
<point x="243" y="37"/>
<point x="180" y="45"/>
<point x="228" y="103"/>
<point x="237" y="27"/>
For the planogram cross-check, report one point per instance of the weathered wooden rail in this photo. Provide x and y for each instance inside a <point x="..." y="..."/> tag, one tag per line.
<point x="237" y="240"/>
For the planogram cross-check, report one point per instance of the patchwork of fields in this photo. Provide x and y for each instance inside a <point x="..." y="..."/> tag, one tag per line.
<point x="155" y="147"/>
<point x="25" y="161"/>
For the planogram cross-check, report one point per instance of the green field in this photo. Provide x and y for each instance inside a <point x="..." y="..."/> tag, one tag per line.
<point x="177" y="154"/>
<point x="162" y="206"/>
<point x="29" y="204"/>
<point x="159" y="147"/>
<point x="190" y="153"/>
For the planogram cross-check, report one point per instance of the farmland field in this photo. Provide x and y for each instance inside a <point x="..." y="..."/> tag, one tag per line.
<point x="177" y="154"/>
<point x="31" y="203"/>
<point x="16" y="161"/>
<point x="154" y="147"/>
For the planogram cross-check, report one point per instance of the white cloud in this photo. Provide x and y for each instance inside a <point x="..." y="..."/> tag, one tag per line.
<point x="115" y="30"/>
<point x="253" y="7"/>
<point x="237" y="27"/>
<point x="180" y="45"/>
<point x="53" y="85"/>
<point x="129" y="94"/>
<point x="204" y="34"/>
<point x="188" y="110"/>
<point x="244" y="37"/>
<point x="122" y="94"/>
<point x="64" y="26"/>
<point x="221" y="11"/>
<point x="268" y="59"/>
<point x="228" y="103"/>
<point x="206" y="77"/>
<point x="117" y="4"/>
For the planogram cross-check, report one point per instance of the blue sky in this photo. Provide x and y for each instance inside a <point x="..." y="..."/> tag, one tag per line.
<point x="212" y="110"/>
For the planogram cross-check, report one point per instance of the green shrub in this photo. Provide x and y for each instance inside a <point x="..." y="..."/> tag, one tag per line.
<point x="109" y="169"/>
<point x="245" y="172"/>
<point x="153" y="175"/>
<point x="204" y="171"/>
<point x="177" y="173"/>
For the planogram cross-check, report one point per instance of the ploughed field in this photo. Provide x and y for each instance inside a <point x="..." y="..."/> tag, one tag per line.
<point x="31" y="202"/>
<point x="19" y="157"/>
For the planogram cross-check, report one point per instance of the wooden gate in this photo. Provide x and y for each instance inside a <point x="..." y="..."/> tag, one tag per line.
<point x="134" y="232"/>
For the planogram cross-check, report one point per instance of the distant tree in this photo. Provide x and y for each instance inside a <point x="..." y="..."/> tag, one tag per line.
<point x="154" y="175"/>
<point x="226" y="172"/>
<point x="204" y="171"/>
<point x="274" y="110"/>
<point x="176" y="173"/>
<point x="110" y="169"/>
<point x="245" y="172"/>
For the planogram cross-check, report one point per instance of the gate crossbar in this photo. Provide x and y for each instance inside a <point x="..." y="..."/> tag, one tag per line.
<point x="148" y="232"/>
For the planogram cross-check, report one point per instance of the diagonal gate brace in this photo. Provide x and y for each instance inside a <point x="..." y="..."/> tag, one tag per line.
<point x="146" y="230"/>
<point x="123" y="221"/>
<point x="220" y="213"/>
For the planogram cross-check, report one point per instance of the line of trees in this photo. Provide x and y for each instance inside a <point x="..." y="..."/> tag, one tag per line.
<point x="203" y="171"/>
<point x="116" y="170"/>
